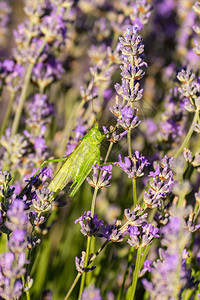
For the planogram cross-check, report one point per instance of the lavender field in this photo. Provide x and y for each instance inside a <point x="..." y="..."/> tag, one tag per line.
<point x="100" y="149"/>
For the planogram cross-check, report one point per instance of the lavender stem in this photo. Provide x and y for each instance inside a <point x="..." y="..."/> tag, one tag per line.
<point x="188" y="136"/>
<point x="135" y="277"/>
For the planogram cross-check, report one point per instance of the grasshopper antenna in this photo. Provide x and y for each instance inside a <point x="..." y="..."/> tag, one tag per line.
<point x="94" y="113"/>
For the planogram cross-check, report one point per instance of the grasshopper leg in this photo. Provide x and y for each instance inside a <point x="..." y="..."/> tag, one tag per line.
<point x="78" y="184"/>
<point x="42" y="165"/>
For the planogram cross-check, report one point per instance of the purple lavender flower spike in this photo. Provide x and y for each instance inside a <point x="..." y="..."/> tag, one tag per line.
<point x="128" y="119"/>
<point x="133" y="166"/>
<point x="146" y="267"/>
<point x="44" y="73"/>
<point x="111" y="233"/>
<point x="54" y="28"/>
<point x="12" y="263"/>
<point x="142" y="236"/>
<point x="136" y="217"/>
<point x="80" y="262"/>
<point x="91" y="293"/>
<point x="90" y="226"/>
<point x="4" y="20"/>
<point x="172" y="262"/>
<point x="11" y="75"/>
<point x="132" y="53"/>
<point x="141" y="13"/>
<point x="105" y="176"/>
<point x="161" y="184"/>
<point x="42" y="202"/>
<point x="113" y="136"/>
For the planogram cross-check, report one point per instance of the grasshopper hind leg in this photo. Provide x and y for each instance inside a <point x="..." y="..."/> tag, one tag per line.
<point x="78" y="184"/>
<point x="82" y="175"/>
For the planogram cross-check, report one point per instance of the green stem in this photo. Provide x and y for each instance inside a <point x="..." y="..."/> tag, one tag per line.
<point x="72" y="286"/>
<point x="22" y="100"/>
<point x="188" y="136"/>
<point x="77" y="277"/>
<point x="88" y="243"/>
<point x="144" y="255"/>
<point x="28" y="295"/>
<point x="94" y="201"/>
<point x="85" y="265"/>
<point x="88" y="279"/>
<point x="135" y="276"/>
<point x="196" y="211"/>
<point x="134" y="193"/>
<point x="98" y="251"/>
<point x="130" y="257"/>
<point x="129" y="143"/>
<point x="181" y="200"/>
<point x="5" y="121"/>
<point x="108" y="152"/>
<point x="133" y="180"/>
<point x="27" y="292"/>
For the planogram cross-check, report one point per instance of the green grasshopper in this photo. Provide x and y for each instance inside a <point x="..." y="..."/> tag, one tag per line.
<point x="78" y="164"/>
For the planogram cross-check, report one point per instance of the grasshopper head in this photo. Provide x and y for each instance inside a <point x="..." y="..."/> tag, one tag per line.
<point x="95" y="135"/>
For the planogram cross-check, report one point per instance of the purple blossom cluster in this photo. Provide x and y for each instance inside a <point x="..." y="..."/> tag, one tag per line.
<point x="133" y="166"/>
<point x="13" y="263"/>
<point x="4" y="20"/>
<point x="143" y="237"/>
<point x="11" y="75"/>
<point x="167" y="281"/>
<point x="100" y="180"/>
<point x="172" y="126"/>
<point x="132" y="56"/>
<point x="161" y="183"/>
<point x="69" y="67"/>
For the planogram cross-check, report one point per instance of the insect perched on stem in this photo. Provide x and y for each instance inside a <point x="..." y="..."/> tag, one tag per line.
<point x="78" y="164"/>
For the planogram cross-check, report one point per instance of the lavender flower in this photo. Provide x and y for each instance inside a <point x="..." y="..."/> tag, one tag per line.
<point x="101" y="181"/>
<point x="14" y="149"/>
<point x="146" y="267"/>
<point x="11" y="75"/>
<point x="44" y="73"/>
<point x="132" y="53"/>
<point x="39" y="111"/>
<point x="141" y="13"/>
<point x="113" y="136"/>
<point x="133" y="166"/>
<point x="173" y="118"/>
<point x="171" y="266"/>
<point x="12" y="264"/>
<point x="161" y="184"/>
<point x="112" y="233"/>
<point x="81" y="262"/>
<point x="136" y="217"/>
<point x="4" y="20"/>
<point x="189" y="89"/>
<point x="142" y="236"/>
<point x="89" y="226"/>
<point x="128" y="119"/>
<point x="54" y="28"/>
<point x="42" y="203"/>
<point x="187" y="155"/>
<point x="91" y="293"/>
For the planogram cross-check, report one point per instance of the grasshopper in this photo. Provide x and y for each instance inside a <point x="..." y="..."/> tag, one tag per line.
<point x="77" y="165"/>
